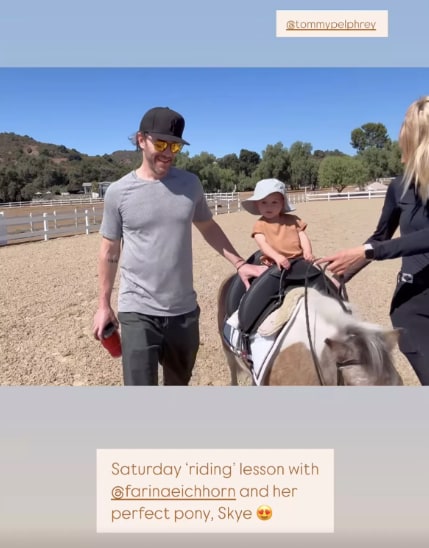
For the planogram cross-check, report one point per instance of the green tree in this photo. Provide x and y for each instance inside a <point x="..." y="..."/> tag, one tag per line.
<point x="249" y="161"/>
<point x="183" y="161"/>
<point x="198" y="162"/>
<point x="215" y="178"/>
<point x="28" y="191"/>
<point x="341" y="171"/>
<point x="275" y="162"/>
<point x="356" y="172"/>
<point x="303" y="167"/>
<point x="230" y="161"/>
<point x="395" y="164"/>
<point x="245" y="183"/>
<point x="376" y="161"/>
<point x="370" y="135"/>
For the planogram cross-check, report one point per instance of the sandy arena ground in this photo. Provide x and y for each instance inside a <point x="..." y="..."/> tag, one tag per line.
<point x="48" y="294"/>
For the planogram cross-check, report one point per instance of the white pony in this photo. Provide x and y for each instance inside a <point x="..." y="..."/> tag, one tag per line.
<point x="312" y="339"/>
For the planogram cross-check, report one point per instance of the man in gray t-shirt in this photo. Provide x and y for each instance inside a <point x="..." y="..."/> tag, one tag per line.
<point x="147" y="220"/>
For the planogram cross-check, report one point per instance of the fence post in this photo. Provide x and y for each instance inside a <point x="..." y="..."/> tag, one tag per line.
<point x="215" y="207"/>
<point x="55" y="220"/>
<point x="31" y="222"/>
<point x="75" y="217"/>
<point x="45" y="227"/>
<point x="238" y="203"/>
<point x="93" y="212"/>
<point x="228" y="206"/>
<point x="3" y="229"/>
<point x="86" y="222"/>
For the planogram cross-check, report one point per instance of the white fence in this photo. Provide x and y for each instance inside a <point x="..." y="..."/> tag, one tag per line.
<point x="368" y="194"/>
<point x="224" y="202"/>
<point x="53" y="203"/>
<point x="48" y="225"/>
<point x="52" y="224"/>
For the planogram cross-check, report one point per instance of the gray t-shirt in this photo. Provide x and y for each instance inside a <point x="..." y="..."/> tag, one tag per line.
<point x="154" y="220"/>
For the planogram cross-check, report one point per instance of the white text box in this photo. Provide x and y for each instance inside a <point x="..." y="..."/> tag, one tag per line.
<point x="215" y="490"/>
<point x="332" y="24"/>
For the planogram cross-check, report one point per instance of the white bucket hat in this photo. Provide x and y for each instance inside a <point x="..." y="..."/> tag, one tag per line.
<point x="262" y="190"/>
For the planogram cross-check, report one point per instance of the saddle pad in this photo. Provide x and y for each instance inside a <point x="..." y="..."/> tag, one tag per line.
<point x="277" y="319"/>
<point x="266" y="292"/>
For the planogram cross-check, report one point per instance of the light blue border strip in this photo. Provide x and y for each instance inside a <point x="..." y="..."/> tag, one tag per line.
<point x="197" y="33"/>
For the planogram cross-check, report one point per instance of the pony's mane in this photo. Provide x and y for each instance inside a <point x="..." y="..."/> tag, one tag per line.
<point x="334" y="313"/>
<point x="371" y="343"/>
<point x="369" y="338"/>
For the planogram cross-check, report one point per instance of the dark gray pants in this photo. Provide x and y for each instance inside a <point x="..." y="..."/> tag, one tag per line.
<point x="147" y="341"/>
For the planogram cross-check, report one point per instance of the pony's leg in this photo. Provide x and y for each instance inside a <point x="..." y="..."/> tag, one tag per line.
<point x="240" y="374"/>
<point x="221" y="314"/>
<point x="232" y="363"/>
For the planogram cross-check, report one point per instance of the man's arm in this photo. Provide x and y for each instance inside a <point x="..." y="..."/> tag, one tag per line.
<point x="108" y="259"/>
<point x="217" y="239"/>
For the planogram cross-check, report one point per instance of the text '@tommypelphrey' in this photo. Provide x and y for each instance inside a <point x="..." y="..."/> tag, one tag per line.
<point x="332" y="24"/>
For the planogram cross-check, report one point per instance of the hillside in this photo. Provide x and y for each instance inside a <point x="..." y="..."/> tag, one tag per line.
<point x="28" y="167"/>
<point x="13" y="147"/>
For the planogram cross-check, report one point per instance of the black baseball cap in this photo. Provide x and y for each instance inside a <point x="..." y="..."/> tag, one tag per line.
<point x="165" y="123"/>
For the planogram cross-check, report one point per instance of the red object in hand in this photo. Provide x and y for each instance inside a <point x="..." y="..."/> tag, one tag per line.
<point x="111" y="340"/>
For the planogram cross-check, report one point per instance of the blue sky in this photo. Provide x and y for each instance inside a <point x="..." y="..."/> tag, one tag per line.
<point x="94" y="110"/>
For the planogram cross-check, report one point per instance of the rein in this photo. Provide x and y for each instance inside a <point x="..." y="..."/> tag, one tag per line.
<point x="340" y="297"/>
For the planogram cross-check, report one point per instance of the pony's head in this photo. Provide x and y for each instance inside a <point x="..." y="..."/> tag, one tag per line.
<point x="363" y="354"/>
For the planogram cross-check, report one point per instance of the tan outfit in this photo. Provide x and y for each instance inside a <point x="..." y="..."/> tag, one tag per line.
<point x="282" y="234"/>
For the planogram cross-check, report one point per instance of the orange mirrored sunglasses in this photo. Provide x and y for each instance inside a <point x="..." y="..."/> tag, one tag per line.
<point x="161" y="145"/>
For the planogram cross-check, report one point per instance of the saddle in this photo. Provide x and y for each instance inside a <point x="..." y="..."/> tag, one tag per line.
<point x="267" y="292"/>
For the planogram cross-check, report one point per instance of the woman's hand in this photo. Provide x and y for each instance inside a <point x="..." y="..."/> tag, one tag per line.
<point x="343" y="260"/>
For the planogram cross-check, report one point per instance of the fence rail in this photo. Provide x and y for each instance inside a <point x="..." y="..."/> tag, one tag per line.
<point x="53" y="203"/>
<point x="211" y="197"/>
<point x="46" y="225"/>
<point x="217" y="201"/>
<point x="221" y="196"/>
<point x="313" y="196"/>
<point x="52" y="224"/>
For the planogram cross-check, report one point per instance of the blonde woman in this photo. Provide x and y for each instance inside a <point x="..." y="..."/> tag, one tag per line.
<point x="406" y="206"/>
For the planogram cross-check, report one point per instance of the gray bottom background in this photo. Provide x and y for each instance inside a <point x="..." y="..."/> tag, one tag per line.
<point x="49" y="438"/>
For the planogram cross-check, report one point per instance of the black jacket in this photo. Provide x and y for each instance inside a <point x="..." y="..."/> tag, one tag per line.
<point x="412" y="217"/>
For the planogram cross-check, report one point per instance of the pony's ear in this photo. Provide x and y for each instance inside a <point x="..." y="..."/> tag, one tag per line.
<point x="336" y="346"/>
<point x="391" y="337"/>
